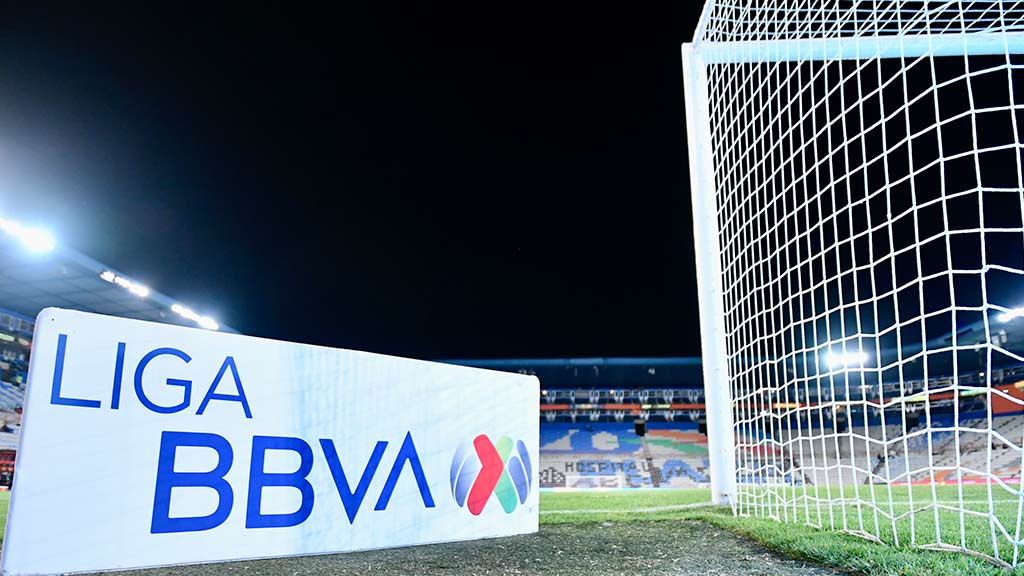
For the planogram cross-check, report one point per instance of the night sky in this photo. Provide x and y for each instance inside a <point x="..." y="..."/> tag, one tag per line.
<point x="484" y="180"/>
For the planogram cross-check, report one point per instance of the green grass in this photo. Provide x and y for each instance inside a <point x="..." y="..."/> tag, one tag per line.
<point x="5" y="503"/>
<point x="621" y="499"/>
<point x="821" y="544"/>
<point x="921" y="514"/>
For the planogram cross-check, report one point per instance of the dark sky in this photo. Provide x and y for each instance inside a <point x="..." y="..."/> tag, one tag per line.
<point x="483" y="180"/>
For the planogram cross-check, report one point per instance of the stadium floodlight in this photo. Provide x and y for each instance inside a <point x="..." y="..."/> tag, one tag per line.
<point x="38" y="240"/>
<point x="1010" y="315"/>
<point x="135" y="288"/>
<point x="35" y="240"/>
<point x="208" y="323"/>
<point x="189" y="314"/>
<point x="855" y="173"/>
<point x="848" y="359"/>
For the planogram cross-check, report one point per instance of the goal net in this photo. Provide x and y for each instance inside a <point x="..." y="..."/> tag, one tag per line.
<point x="857" y="195"/>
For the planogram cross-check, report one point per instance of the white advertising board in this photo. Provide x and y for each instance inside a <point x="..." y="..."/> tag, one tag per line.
<point x="149" y="444"/>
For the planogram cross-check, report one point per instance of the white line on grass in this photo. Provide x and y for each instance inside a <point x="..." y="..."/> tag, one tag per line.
<point x="925" y="500"/>
<point x="628" y="510"/>
<point x="701" y="504"/>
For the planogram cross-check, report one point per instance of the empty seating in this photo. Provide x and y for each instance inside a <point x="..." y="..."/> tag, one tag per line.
<point x="611" y="455"/>
<point x="11" y="396"/>
<point x="932" y="449"/>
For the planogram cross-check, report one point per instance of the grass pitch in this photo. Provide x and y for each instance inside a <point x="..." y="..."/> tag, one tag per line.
<point x="823" y="542"/>
<point x="944" y="516"/>
<point x="676" y="532"/>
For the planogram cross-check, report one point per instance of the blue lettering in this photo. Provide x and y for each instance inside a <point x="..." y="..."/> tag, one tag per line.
<point x="186" y="384"/>
<point x="407" y="453"/>
<point x="229" y="363"/>
<point x="167" y="479"/>
<point x="352" y="500"/>
<point x="58" y="378"/>
<point x="258" y="478"/>
<point x="115" y="395"/>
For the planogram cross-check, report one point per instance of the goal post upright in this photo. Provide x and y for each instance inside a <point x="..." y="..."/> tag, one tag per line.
<point x="718" y="401"/>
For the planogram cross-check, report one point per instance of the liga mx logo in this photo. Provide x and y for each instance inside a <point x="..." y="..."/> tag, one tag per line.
<point x="481" y="468"/>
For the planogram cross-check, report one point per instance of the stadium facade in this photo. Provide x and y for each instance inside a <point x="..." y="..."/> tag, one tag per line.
<point x="590" y="410"/>
<point x="590" y="406"/>
<point x="36" y="273"/>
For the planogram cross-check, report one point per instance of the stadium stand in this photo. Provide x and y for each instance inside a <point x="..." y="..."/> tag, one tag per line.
<point x="33" y="277"/>
<point x="35" y="273"/>
<point x="11" y="397"/>
<point x="15" y="345"/>
<point x="588" y="440"/>
<point x="588" y="407"/>
<point x="902" y="458"/>
<point x="611" y="455"/>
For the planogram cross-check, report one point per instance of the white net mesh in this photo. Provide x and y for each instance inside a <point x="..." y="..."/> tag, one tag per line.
<point x="868" y="188"/>
<point x="790" y="20"/>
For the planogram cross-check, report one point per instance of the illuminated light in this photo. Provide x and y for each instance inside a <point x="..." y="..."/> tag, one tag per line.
<point x="38" y="240"/>
<point x="1010" y="314"/>
<point x="189" y="314"/>
<point x="134" y="287"/>
<point x="852" y="358"/>
<point x="208" y="323"/>
<point x="34" y="240"/>
<point x="185" y="312"/>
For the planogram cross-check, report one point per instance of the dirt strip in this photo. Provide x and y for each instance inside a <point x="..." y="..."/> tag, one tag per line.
<point x="661" y="547"/>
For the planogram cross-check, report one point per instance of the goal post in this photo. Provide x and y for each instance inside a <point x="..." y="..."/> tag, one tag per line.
<point x="721" y="448"/>
<point x="857" y="187"/>
<point x="863" y="48"/>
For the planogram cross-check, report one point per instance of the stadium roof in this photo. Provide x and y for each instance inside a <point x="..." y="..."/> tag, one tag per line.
<point x="601" y="372"/>
<point x="36" y="273"/>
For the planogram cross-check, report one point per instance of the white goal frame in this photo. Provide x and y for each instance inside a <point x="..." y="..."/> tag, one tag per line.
<point x="778" y="45"/>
